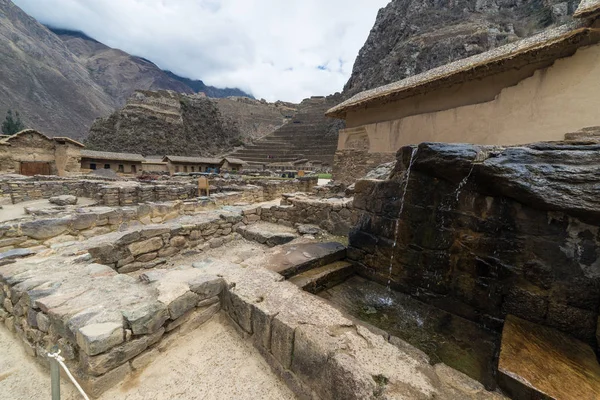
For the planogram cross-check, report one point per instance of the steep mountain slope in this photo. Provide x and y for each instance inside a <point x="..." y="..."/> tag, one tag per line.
<point x="43" y="80"/>
<point x="412" y="36"/>
<point x="118" y="72"/>
<point x="165" y="122"/>
<point x="121" y="74"/>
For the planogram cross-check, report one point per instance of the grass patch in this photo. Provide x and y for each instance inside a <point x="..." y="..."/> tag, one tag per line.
<point x="324" y="176"/>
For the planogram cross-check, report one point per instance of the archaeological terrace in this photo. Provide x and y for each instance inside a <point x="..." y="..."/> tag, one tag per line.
<point x="428" y="269"/>
<point x="119" y="280"/>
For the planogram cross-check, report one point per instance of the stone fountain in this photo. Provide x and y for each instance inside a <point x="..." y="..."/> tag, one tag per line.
<point x="502" y="238"/>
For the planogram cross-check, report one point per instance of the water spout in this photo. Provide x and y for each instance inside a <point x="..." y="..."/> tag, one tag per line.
<point x="397" y="227"/>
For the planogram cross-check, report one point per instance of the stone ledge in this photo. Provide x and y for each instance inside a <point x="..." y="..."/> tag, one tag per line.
<point x="320" y="353"/>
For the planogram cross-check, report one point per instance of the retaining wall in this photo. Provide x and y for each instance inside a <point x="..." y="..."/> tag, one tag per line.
<point x="129" y="192"/>
<point x="335" y="215"/>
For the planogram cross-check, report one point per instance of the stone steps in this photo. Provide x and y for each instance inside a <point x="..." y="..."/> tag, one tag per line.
<point x="293" y="259"/>
<point x="305" y="136"/>
<point x="325" y="277"/>
<point x="538" y="362"/>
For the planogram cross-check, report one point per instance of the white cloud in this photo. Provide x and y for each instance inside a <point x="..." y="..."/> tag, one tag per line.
<point x="276" y="49"/>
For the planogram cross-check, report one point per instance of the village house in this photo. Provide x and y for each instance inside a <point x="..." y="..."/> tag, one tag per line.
<point x="30" y="152"/>
<point x="535" y="89"/>
<point x="124" y="163"/>
<point x="230" y="164"/>
<point x="154" y="164"/>
<point x="177" y="164"/>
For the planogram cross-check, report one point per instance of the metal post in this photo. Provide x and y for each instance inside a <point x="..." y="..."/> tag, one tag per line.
<point x="55" y="376"/>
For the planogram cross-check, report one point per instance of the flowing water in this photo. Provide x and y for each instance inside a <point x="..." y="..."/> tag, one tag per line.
<point x="396" y="230"/>
<point x="444" y="337"/>
<point x="463" y="183"/>
<point x="452" y="201"/>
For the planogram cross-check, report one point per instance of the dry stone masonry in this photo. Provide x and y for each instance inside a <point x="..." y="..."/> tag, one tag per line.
<point x="125" y="193"/>
<point x="488" y="232"/>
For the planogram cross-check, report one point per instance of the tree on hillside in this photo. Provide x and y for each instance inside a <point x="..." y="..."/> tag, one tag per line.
<point x="12" y="125"/>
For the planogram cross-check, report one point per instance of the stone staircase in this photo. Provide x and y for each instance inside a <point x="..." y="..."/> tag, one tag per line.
<point x="322" y="278"/>
<point x="311" y="266"/>
<point x="309" y="135"/>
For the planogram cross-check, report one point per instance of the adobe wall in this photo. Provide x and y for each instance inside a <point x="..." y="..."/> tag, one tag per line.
<point x="68" y="159"/>
<point x="553" y="101"/>
<point x="155" y="167"/>
<point x="114" y="165"/>
<point x="27" y="147"/>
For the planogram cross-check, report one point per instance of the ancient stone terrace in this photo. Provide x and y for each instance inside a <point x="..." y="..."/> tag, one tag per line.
<point x="306" y="136"/>
<point x="116" y="302"/>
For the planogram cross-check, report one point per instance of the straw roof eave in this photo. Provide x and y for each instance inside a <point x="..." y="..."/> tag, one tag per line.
<point x="107" y="155"/>
<point x="549" y="45"/>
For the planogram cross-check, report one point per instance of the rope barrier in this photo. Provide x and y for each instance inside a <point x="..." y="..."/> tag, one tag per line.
<point x="60" y="361"/>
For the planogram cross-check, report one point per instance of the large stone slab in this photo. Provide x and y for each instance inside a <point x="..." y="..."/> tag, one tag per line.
<point x="540" y="362"/>
<point x="293" y="259"/>
<point x="64" y="200"/>
<point x="45" y="228"/>
<point x="266" y="233"/>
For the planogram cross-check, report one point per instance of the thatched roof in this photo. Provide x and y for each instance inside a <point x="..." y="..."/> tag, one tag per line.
<point x="107" y="155"/>
<point x="9" y="138"/>
<point x="587" y="8"/>
<point x="547" y="46"/>
<point x="192" y="160"/>
<point x="236" y="161"/>
<point x="67" y="139"/>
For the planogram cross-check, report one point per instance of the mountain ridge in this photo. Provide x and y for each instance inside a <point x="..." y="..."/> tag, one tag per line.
<point x="104" y="62"/>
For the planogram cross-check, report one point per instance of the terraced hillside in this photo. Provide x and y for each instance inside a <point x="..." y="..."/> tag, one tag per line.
<point x="309" y="135"/>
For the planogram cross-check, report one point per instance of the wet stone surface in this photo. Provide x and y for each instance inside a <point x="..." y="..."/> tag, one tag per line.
<point x="444" y="337"/>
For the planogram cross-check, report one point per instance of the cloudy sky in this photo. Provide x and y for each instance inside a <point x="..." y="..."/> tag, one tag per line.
<point x="275" y="49"/>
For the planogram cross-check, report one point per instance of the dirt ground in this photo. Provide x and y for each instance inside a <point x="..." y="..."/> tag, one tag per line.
<point x="14" y="211"/>
<point x="212" y="362"/>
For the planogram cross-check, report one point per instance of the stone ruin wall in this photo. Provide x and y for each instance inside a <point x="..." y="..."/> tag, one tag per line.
<point x="102" y="354"/>
<point x="509" y="239"/>
<point x="336" y="217"/>
<point x="329" y="358"/>
<point x="350" y="165"/>
<point x="103" y="346"/>
<point x="151" y="246"/>
<point x="113" y="194"/>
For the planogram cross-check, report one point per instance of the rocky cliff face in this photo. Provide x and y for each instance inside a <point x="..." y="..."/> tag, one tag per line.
<point x="43" y="80"/>
<point x="413" y="36"/>
<point x="484" y="231"/>
<point x="165" y="122"/>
